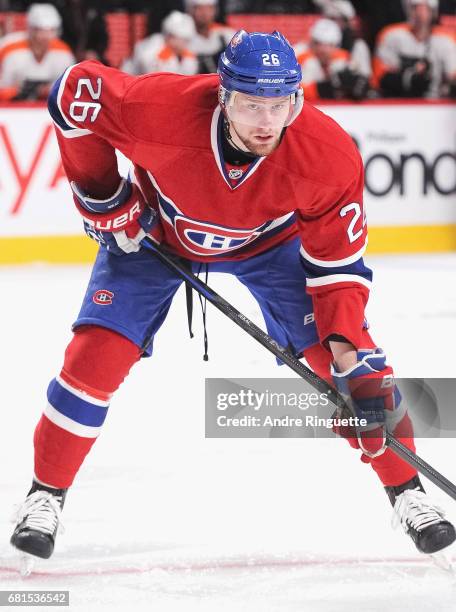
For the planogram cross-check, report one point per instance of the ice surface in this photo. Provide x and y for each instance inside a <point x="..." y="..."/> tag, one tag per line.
<point x="161" y="518"/>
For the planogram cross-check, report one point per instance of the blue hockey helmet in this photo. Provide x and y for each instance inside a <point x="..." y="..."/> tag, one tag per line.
<point x="262" y="65"/>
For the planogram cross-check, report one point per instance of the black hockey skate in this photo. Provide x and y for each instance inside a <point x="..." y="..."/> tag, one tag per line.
<point x="423" y="520"/>
<point x="38" y="520"/>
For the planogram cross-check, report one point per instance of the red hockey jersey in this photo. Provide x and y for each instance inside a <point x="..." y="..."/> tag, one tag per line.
<point x="170" y="127"/>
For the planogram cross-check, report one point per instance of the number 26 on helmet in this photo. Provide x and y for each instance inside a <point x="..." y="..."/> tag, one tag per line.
<point x="262" y="68"/>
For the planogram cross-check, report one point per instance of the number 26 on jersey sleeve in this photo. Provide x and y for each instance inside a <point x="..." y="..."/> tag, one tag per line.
<point x="80" y="110"/>
<point x="356" y="211"/>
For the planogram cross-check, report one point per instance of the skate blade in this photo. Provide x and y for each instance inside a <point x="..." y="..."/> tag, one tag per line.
<point x="26" y="565"/>
<point x="443" y="562"/>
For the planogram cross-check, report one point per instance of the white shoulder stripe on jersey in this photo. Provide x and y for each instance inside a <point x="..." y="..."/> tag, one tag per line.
<point x="323" y="263"/>
<point x="279" y="221"/>
<point x="162" y="212"/>
<point x="82" y="395"/>
<point x="73" y="133"/>
<point x="59" y="419"/>
<point x="60" y="94"/>
<point x="332" y="279"/>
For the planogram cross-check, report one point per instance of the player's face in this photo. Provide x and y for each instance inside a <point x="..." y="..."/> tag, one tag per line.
<point x="323" y="51"/>
<point x="41" y="37"/>
<point x="421" y="14"/>
<point x="203" y="15"/>
<point x="177" y="44"/>
<point x="258" y="122"/>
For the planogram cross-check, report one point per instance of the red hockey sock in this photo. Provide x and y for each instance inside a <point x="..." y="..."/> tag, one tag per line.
<point x="96" y="362"/>
<point x="391" y="469"/>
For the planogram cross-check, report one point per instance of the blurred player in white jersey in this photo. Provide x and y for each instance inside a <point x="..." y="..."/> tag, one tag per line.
<point x="211" y="37"/>
<point x="343" y="13"/>
<point x="168" y="51"/>
<point x="30" y="61"/>
<point x="327" y="69"/>
<point x="416" y="58"/>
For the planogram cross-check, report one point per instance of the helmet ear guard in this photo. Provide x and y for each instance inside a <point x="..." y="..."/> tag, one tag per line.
<point x="298" y="103"/>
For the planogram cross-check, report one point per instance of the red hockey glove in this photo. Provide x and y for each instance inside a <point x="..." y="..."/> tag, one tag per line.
<point x="373" y="398"/>
<point x="120" y="222"/>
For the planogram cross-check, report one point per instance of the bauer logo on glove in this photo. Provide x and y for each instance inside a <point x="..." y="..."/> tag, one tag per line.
<point x="120" y="222"/>
<point x="371" y="395"/>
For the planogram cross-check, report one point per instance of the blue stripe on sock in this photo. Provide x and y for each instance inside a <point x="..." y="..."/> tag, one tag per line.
<point x="75" y="408"/>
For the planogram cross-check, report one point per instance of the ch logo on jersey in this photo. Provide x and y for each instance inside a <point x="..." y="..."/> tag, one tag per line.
<point x="207" y="239"/>
<point x="103" y="297"/>
<point x="203" y="238"/>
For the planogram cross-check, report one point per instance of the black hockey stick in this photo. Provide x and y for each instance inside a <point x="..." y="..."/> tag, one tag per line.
<point x="284" y="355"/>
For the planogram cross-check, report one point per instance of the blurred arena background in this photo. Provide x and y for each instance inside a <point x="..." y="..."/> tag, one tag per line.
<point x="399" y="109"/>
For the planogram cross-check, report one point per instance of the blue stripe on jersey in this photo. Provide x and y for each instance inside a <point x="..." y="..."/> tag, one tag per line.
<point x="276" y="230"/>
<point x="358" y="267"/>
<point x="75" y="408"/>
<point x="53" y="107"/>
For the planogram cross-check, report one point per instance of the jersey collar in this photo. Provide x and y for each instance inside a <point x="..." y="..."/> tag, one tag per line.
<point x="216" y="144"/>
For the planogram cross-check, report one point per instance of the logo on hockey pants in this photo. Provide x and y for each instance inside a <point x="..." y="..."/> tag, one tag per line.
<point x="103" y="297"/>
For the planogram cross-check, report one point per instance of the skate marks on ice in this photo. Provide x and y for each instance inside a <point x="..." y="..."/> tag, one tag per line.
<point x="173" y="580"/>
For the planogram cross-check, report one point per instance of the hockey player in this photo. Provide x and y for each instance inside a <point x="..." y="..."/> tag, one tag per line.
<point x="343" y="13"/>
<point x="31" y="61"/>
<point x="417" y="58"/>
<point x="237" y="174"/>
<point x="327" y="70"/>
<point x="211" y="37"/>
<point x="168" y="51"/>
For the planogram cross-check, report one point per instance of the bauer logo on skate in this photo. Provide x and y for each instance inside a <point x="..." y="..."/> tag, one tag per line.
<point x="103" y="297"/>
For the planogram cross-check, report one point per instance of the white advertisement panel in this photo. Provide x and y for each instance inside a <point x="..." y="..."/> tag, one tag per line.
<point x="408" y="150"/>
<point x="409" y="153"/>
<point x="34" y="193"/>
